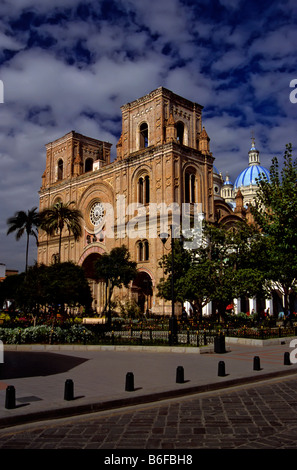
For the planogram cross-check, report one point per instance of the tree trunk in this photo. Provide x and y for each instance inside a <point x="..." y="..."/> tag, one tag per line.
<point x="286" y="301"/>
<point x="27" y="252"/>
<point x="60" y="244"/>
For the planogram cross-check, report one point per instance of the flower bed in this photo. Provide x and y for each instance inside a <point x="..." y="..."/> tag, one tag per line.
<point x="260" y="333"/>
<point x="45" y="334"/>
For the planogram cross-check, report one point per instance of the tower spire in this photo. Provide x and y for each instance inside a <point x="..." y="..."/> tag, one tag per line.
<point x="253" y="153"/>
<point x="253" y="139"/>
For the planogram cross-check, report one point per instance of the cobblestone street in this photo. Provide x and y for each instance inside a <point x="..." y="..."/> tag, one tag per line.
<point x="262" y="416"/>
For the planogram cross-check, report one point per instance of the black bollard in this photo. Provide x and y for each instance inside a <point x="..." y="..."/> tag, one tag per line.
<point x="180" y="375"/>
<point x="10" y="397"/>
<point x="219" y="344"/>
<point x="68" y="390"/>
<point x="221" y="369"/>
<point x="257" y="363"/>
<point x="129" y="382"/>
<point x="287" y="361"/>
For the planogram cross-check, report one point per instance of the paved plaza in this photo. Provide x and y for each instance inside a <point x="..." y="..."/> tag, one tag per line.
<point x="244" y="409"/>
<point x="251" y="417"/>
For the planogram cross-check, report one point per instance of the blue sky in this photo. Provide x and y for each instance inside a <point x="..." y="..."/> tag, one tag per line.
<point x="70" y="65"/>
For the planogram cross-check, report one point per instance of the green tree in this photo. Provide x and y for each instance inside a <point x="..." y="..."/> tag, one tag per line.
<point x="9" y="289"/>
<point x="235" y="269"/>
<point x="25" y="223"/>
<point x="275" y="212"/>
<point x="67" y="285"/>
<point x="117" y="270"/>
<point x="196" y="284"/>
<point x="182" y="263"/>
<point x="54" y="219"/>
<point x="31" y="294"/>
<point x="227" y="264"/>
<point x="42" y="286"/>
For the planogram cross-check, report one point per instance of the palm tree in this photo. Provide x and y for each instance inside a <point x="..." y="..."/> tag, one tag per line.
<point x="24" y="222"/>
<point x="55" y="218"/>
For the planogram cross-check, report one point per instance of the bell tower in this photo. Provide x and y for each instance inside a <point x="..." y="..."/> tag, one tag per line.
<point x="158" y="118"/>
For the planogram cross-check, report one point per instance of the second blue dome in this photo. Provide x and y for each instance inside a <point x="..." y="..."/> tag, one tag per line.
<point x="249" y="175"/>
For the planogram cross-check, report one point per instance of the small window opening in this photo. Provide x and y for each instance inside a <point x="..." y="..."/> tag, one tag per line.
<point x="88" y="165"/>
<point x="60" y="169"/>
<point x="143" y="135"/>
<point x="180" y="132"/>
<point x="190" y="187"/>
<point x="144" y="190"/>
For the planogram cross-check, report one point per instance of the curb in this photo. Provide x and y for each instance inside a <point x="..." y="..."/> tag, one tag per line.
<point x="80" y="347"/>
<point x="230" y="340"/>
<point x="78" y="410"/>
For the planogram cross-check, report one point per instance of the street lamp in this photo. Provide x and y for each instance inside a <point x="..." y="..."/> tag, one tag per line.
<point x="172" y="320"/>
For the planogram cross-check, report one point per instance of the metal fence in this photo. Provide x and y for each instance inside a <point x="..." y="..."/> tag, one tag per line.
<point x="261" y="333"/>
<point x="156" y="337"/>
<point x="190" y="337"/>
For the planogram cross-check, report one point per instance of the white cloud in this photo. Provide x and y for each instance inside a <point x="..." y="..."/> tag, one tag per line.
<point x="9" y="43"/>
<point x="230" y="60"/>
<point x="277" y="43"/>
<point x="41" y="7"/>
<point x="167" y="18"/>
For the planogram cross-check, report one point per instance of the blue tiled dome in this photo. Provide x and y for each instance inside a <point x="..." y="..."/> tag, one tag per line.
<point x="249" y="175"/>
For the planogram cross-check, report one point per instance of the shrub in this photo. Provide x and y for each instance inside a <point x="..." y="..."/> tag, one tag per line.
<point x="4" y="316"/>
<point x="77" y="334"/>
<point x="35" y="334"/>
<point x="44" y="334"/>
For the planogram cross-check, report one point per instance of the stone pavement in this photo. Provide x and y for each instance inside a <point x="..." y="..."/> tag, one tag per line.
<point x="38" y="375"/>
<point x="250" y="417"/>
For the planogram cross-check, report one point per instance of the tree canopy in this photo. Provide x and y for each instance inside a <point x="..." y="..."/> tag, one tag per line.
<point x="275" y="212"/>
<point x="60" y="215"/>
<point x="52" y="286"/>
<point x="25" y="223"/>
<point x="224" y="267"/>
<point x="116" y="268"/>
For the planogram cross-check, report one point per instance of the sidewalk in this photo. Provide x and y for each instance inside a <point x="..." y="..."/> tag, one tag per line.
<point x="39" y="373"/>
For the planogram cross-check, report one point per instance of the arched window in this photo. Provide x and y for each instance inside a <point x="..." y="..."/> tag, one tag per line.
<point x="143" y="250"/>
<point x="88" y="164"/>
<point x="60" y="169"/>
<point x="180" y="132"/>
<point x="143" y="135"/>
<point x="140" y="190"/>
<point x="146" y="253"/>
<point x="144" y="189"/>
<point x="55" y="258"/>
<point x="190" y="187"/>
<point x="140" y="251"/>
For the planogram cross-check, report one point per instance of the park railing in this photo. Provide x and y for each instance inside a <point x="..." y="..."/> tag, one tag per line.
<point x="190" y="337"/>
<point x="138" y="334"/>
<point x="261" y="332"/>
<point x="156" y="337"/>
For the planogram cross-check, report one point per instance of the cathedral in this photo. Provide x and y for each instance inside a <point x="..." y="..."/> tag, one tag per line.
<point x="163" y="160"/>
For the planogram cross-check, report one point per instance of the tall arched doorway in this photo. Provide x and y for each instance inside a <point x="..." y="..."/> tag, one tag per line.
<point x="97" y="286"/>
<point x="142" y="291"/>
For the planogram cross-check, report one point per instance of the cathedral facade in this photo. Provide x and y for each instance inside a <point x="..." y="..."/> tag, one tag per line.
<point x="163" y="160"/>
